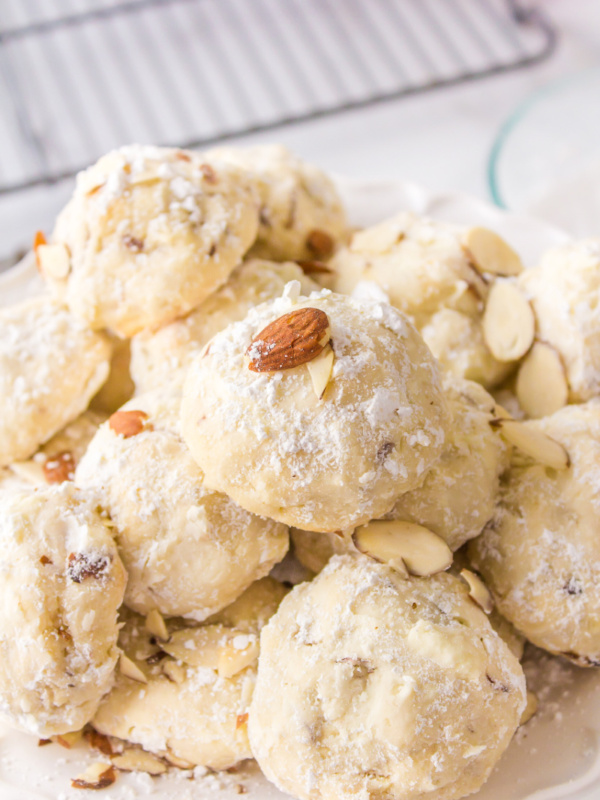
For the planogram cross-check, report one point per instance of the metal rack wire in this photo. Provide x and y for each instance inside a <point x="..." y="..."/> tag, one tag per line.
<point x="78" y="77"/>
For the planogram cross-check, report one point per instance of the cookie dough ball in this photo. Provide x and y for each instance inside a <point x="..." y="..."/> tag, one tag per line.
<point x="148" y="234"/>
<point x="313" y="550"/>
<point x="458" y="496"/>
<point x="370" y="685"/>
<point x="161" y="358"/>
<point x="301" y="214"/>
<point x="61" y="583"/>
<point x="540" y="555"/>
<point x="51" y="365"/>
<point x="319" y="463"/>
<point x="564" y="291"/>
<point x="189" y="551"/>
<point x="426" y="272"/>
<point x="187" y="709"/>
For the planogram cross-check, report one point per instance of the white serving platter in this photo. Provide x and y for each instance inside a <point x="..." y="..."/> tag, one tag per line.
<point x="555" y="756"/>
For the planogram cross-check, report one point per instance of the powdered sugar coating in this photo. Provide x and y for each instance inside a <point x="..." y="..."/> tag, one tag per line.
<point x="161" y="358"/>
<point x="318" y="464"/>
<point x="423" y="268"/>
<point x="189" y="551"/>
<point x="540" y="555"/>
<point x="151" y="233"/>
<point x="50" y="367"/>
<point x="296" y="197"/>
<point x="61" y="583"/>
<point x="564" y="291"/>
<point x="201" y="719"/>
<point x="458" y="496"/>
<point x="370" y="685"/>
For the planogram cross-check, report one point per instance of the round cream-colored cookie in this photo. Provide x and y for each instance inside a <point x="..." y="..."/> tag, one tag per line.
<point x="50" y="367"/>
<point x="317" y="463"/>
<point x="56" y="460"/>
<point x="564" y="291"/>
<point x="372" y="685"/>
<point x="61" y="583"/>
<point x="148" y="234"/>
<point x="161" y="358"/>
<point x="458" y="496"/>
<point x="301" y="214"/>
<point x="195" y="712"/>
<point x="189" y="551"/>
<point x="423" y="267"/>
<point x="313" y="550"/>
<point x="540" y="555"/>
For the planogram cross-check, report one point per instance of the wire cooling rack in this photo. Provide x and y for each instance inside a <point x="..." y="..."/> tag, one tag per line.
<point x="78" y="77"/>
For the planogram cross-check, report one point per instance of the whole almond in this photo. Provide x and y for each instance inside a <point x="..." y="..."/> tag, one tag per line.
<point x="320" y="243"/>
<point x="289" y="341"/>
<point x="127" y="423"/>
<point x="59" y="468"/>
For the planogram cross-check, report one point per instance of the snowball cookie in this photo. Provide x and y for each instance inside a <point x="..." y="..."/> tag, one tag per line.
<point x="61" y="583"/>
<point x="540" y="555"/>
<point x="161" y="358"/>
<point x="313" y="550"/>
<point x="50" y="366"/>
<point x="148" y="234"/>
<point x="426" y="272"/>
<point x="564" y="291"/>
<point x="458" y="496"/>
<point x="189" y="551"/>
<point x="371" y="685"/>
<point x="324" y="464"/>
<point x="187" y="710"/>
<point x="301" y="213"/>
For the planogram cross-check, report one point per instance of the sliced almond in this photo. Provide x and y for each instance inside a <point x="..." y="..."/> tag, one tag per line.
<point x="320" y="243"/>
<point x="478" y="591"/>
<point x="508" y="322"/>
<point x="156" y="625"/>
<point x="134" y="760"/>
<point x="490" y="253"/>
<point x="174" y="672"/>
<point x="30" y="471"/>
<point x="379" y="238"/>
<point x="320" y="370"/>
<point x="199" y="647"/>
<point x="530" y="709"/>
<point x="294" y="339"/>
<point x="59" y="468"/>
<point x="38" y="240"/>
<point x="131" y="670"/>
<point x="96" y="776"/>
<point x="99" y="741"/>
<point x="542" y="386"/>
<point x="175" y="761"/>
<point x="240" y="652"/>
<point x="68" y="740"/>
<point x="127" y="423"/>
<point x="241" y="720"/>
<point x="144" y="176"/>
<point x="54" y="261"/>
<point x="405" y="546"/>
<point x="534" y="443"/>
<point x="314" y="267"/>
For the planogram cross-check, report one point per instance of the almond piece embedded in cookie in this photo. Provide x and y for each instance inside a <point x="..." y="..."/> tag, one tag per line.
<point x="127" y="423"/>
<point x="407" y="547"/>
<point x="490" y="253"/>
<point x="54" y="261"/>
<point x="320" y="243"/>
<point x="134" y="760"/>
<point x="131" y="670"/>
<point x="241" y="651"/>
<point x="533" y="443"/>
<point x="542" y="386"/>
<point x="320" y="370"/>
<point x="59" y="468"/>
<point x="508" y="322"/>
<point x="289" y="341"/>
<point x="96" y="776"/>
<point x="155" y="624"/>
<point x="478" y="591"/>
